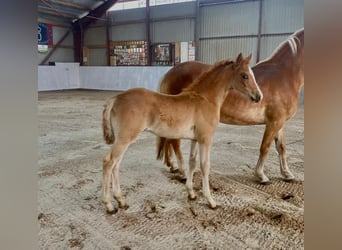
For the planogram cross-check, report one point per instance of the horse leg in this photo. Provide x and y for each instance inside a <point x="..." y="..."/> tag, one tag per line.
<point x="168" y="152"/>
<point x="191" y="170"/>
<point x="111" y="163"/>
<point x="280" y="146"/>
<point x="204" y="150"/>
<point x="267" y="139"/>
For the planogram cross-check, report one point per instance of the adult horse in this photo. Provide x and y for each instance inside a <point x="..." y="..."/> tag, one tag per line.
<point x="193" y="114"/>
<point x="280" y="77"/>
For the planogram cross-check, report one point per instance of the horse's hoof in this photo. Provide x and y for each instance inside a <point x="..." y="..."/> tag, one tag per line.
<point x="290" y="180"/>
<point x="182" y="180"/>
<point x="114" y="211"/>
<point x="174" y="170"/>
<point x="265" y="183"/>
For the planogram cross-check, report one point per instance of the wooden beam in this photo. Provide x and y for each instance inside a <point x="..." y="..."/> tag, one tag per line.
<point x="82" y="24"/>
<point x="93" y="15"/>
<point x="55" y="47"/>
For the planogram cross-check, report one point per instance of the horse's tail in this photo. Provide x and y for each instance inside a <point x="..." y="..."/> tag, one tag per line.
<point x="164" y="150"/>
<point x="108" y="132"/>
<point x="161" y="85"/>
<point x="160" y="147"/>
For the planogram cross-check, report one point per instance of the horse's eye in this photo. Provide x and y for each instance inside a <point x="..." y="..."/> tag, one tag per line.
<point x="245" y="76"/>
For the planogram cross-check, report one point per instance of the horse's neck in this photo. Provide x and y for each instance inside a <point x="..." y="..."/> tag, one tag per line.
<point x="212" y="87"/>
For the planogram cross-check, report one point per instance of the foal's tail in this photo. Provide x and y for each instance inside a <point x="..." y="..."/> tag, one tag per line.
<point x="108" y="133"/>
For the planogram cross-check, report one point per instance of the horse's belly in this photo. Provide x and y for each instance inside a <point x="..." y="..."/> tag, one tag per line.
<point x="248" y="116"/>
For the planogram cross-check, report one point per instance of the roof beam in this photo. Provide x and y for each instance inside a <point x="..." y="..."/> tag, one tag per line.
<point x="93" y="15"/>
<point x="82" y="24"/>
<point x="68" y="4"/>
<point x="57" y="13"/>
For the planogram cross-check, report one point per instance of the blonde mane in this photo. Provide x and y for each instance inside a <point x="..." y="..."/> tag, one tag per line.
<point x="291" y="41"/>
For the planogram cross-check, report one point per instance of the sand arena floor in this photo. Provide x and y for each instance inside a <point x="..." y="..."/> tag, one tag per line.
<point x="72" y="216"/>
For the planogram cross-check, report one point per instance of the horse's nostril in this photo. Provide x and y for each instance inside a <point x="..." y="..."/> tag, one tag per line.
<point x="256" y="98"/>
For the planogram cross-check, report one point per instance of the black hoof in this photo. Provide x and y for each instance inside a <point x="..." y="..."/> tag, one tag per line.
<point x="265" y="183"/>
<point x="174" y="171"/>
<point x="290" y="180"/>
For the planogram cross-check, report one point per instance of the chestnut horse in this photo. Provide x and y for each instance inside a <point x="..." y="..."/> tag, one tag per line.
<point x="280" y="77"/>
<point x="193" y="114"/>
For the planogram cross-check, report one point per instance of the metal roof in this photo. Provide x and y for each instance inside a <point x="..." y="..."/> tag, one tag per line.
<point x="66" y="12"/>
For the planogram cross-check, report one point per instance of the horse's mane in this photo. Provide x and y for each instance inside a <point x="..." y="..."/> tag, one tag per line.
<point x="203" y="75"/>
<point x="293" y="41"/>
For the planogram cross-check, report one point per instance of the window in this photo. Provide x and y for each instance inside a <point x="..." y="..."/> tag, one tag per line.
<point x="142" y="4"/>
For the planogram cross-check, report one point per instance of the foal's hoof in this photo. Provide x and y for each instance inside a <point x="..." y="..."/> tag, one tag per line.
<point x="214" y="207"/>
<point x="192" y="198"/>
<point x="125" y="207"/>
<point x="114" y="211"/>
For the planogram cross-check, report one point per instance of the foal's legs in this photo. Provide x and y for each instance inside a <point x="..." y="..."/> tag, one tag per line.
<point x="116" y="186"/>
<point x="204" y="150"/>
<point x="191" y="170"/>
<point x="111" y="164"/>
<point x="280" y="146"/>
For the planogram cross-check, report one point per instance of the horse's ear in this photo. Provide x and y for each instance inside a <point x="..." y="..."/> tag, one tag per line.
<point x="239" y="59"/>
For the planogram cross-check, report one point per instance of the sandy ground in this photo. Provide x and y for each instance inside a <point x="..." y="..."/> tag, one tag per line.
<point x="71" y="215"/>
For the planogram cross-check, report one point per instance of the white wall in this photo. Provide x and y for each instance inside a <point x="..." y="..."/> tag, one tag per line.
<point x="121" y="78"/>
<point x="61" y="76"/>
<point x="72" y="76"/>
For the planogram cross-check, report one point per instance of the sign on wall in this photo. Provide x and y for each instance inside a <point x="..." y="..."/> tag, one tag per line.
<point x="45" y="38"/>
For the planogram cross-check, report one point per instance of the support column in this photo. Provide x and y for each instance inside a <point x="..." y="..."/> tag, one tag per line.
<point x="197" y="30"/>
<point x="259" y="31"/>
<point x="148" y="33"/>
<point x="78" y="44"/>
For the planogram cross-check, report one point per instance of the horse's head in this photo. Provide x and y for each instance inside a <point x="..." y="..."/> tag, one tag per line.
<point x="244" y="81"/>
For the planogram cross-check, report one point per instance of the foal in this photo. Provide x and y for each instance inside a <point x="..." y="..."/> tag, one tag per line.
<point x="194" y="114"/>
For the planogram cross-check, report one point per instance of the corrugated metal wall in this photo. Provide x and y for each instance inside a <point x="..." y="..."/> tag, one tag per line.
<point x="282" y="16"/>
<point x="269" y="44"/>
<point x="169" y="23"/>
<point x="236" y="26"/>
<point x="173" y="31"/>
<point x="224" y="30"/>
<point x="213" y="50"/>
<point x="229" y="19"/>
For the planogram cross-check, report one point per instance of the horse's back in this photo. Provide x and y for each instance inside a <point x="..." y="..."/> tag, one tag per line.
<point x="181" y="76"/>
